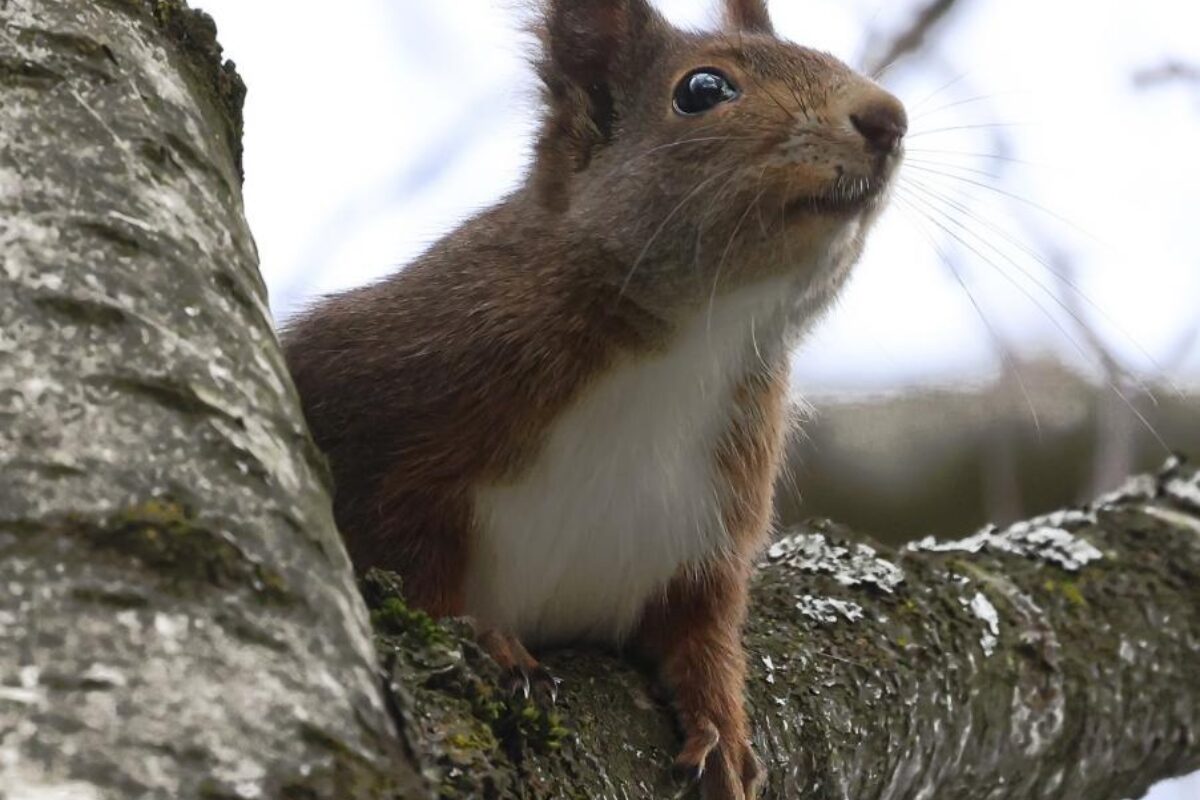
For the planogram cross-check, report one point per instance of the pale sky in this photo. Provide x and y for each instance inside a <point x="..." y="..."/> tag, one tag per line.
<point x="373" y="130"/>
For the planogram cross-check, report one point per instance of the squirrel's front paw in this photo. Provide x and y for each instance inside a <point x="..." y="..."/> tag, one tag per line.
<point x="537" y="683"/>
<point x="521" y="674"/>
<point x="725" y="769"/>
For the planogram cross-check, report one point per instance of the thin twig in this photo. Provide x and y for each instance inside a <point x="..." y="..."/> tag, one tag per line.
<point x="883" y="53"/>
<point x="1170" y="71"/>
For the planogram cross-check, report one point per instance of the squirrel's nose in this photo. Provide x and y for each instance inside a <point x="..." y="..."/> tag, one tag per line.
<point x="882" y="121"/>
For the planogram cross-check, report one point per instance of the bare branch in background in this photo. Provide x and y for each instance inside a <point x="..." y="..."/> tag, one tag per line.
<point x="1178" y="352"/>
<point x="883" y="50"/>
<point x="1117" y="408"/>
<point x="952" y="220"/>
<point x="1170" y="71"/>
<point x="1118" y="411"/>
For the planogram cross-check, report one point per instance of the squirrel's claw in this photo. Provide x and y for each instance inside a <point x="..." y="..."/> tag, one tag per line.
<point x="537" y="683"/>
<point x="545" y="685"/>
<point x="515" y="682"/>
<point x="701" y="742"/>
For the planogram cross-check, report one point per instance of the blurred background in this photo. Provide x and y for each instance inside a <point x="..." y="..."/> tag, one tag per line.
<point x="1024" y="330"/>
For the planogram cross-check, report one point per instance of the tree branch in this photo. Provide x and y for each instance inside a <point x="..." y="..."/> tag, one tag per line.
<point x="1167" y="72"/>
<point x="1053" y="659"/>
<point x="882" y="51"/>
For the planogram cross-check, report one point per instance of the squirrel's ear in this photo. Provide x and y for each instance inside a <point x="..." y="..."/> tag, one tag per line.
<point x="593" y="52"/>
<point x="748" y="15"/>
<point x="586" y="40"/>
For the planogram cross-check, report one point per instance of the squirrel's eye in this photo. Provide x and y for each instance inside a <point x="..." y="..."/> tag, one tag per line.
<point x="703" y="89"/>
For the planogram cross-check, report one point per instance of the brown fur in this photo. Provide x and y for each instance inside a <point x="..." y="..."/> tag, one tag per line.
<point x="694" y="632"/>
<point x="417" y="389"/>
<point x="447" y="375"/>
<point x="748" y="15"/>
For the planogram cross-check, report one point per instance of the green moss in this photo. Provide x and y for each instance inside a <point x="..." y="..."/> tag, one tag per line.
<point x="527" y="725"/>
<point x="392" y="616"/>
<point x="395" y="617"/>
<point x="475" y="735"/>
<point x="166" y="536"/>
<point x="486" y="704"/>
<point x="1069" y="590"/>
<point x="473" y="739"/>
<point x="346" y="773"/>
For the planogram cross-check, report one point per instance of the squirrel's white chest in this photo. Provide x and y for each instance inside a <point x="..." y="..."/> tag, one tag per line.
<point x="625" y="489"/>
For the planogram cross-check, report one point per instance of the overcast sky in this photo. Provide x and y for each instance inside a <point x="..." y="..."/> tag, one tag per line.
<point x="373" y="130"/>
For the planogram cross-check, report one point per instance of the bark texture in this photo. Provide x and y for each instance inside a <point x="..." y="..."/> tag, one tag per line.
<point x="178" y="617"/>
<point x="1054" y="659"/>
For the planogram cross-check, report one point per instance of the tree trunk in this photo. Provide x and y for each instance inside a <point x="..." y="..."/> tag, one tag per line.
<point x="179" y="619"/>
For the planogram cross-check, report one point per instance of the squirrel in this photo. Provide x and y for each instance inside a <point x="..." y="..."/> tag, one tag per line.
<point x="564" y="421"/>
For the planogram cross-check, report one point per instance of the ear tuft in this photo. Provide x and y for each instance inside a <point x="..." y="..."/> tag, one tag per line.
<point x="583" y="38"/>
<point x="590" y="50"/>
<point x="748" y="15"/>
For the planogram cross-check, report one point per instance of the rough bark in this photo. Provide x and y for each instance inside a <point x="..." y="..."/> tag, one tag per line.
<point x="1055" y="659"/>
<point x="178" y="619"/>
<point x="177" y="615"/>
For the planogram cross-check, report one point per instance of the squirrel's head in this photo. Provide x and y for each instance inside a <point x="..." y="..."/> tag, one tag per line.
<point x="703" y="161"/>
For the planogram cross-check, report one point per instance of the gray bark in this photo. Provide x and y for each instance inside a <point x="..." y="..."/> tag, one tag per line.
<point x="178" y="618"/>
<point x="177" y="615"/>
<point x="1053" y="659"/>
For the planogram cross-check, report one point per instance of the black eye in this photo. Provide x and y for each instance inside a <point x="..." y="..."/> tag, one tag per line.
<point x="702" y="90"/>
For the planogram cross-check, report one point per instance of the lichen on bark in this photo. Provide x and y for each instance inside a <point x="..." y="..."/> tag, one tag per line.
<point x="1013" y="663"/>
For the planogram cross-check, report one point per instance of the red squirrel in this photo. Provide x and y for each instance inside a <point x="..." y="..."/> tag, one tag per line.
<point x="565" y="419"/>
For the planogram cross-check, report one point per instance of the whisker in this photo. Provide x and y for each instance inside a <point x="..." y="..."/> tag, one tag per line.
<point x="972" y="127"/>
<point x="716" y="201"/>
<point x="965" y="154"/>
<point x="1111" y="383"/>
<point x="952" y="82"/>
<point x="662" y="226"/>
<point x="1006" y="355"/>
<point x="1063" y="278"/>
<point x="929" y="206"/>
<point x="960" y="167"/>
<point x="869" y="27"/>
<point x="795" y="91"/>
<point x="712" y="297"/>
<point x="957" y="103"/>
<point x="1023" y="200"/>
<point x="882" y="70"/>
<point x="682" y="142"/>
